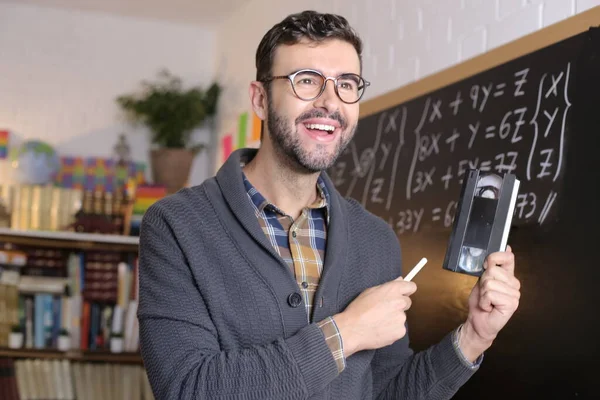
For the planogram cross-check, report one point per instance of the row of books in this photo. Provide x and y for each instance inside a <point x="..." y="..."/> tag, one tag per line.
<point x="37" y="379"/>
<point x="88" y="325"/>
<point x="53" y="208"/>
<point x="40" y="207"/>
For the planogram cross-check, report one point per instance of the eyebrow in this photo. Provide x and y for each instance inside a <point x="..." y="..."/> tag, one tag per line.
<point x="318" y="70"/>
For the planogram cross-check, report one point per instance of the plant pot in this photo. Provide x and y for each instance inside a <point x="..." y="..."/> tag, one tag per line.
<point x="171" y="167"/>
<point x="64" y="343"/>
<point x="116" y="345"/>
<point x="15" y="340"/>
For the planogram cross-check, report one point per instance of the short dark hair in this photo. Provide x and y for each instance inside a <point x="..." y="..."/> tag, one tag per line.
<point x="311" y="25"/>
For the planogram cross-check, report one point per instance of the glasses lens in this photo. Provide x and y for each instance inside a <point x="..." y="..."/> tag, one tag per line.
<point x="307" y="84"/>
<point x="350" y="87"/>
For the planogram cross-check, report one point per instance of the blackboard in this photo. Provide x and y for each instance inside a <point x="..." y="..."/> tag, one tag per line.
<point x="535" y="113"/>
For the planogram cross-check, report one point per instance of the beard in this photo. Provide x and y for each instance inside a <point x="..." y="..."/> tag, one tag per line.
<point x="288" y="144"/>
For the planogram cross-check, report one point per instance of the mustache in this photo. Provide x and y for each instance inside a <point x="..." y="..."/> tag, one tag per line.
<point x="336" y="116"/>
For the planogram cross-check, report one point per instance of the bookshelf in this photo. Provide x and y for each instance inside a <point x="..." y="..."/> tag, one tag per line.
<point x="74" y="355"/>
<point x="71" y="240"/>
<point x="100" y="271"/>
<point x="120" y="246"/>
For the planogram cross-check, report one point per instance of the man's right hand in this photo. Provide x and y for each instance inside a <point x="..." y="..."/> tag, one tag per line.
<point x="376" y="318"/>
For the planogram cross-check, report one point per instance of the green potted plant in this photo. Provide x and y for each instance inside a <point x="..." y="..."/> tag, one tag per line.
<point x="171" y="113"/>
<point x="15" y="340"/>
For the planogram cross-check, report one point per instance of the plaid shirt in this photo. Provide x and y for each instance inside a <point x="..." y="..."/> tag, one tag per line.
<point x="301" y="244"/>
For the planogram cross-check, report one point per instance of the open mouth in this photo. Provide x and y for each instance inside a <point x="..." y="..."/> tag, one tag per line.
<point x="320" y="128"/>
<point x="321" y="132"/>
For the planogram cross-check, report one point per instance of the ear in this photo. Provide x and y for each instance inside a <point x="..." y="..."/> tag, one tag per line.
<point x="258" y="98"/>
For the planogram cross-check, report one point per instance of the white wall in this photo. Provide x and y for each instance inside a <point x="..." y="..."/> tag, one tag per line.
<point x="405" y="40"/>
<point x="61" y="70"/>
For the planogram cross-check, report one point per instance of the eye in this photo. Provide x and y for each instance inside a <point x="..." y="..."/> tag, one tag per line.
<point x="348" y="84"/>
<point x="307" y="81"/>
<point x="308" y="78"/>
<point x="351" y="82"/>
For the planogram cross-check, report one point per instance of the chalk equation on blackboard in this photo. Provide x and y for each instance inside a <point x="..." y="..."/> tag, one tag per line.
<point x="410" y="220"/>
<point x="406" y="163"/>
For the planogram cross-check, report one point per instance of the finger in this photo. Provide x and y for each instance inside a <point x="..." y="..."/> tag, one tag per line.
<point x="407" y="303"/>
<point x="408" y="288"/>
<point x="493" y="285"/>
<point x="405" y="288"/>
<point x="500" y="274"/>
<point x="501" y="302"/>
<point x="503" y="259"/>
<point x="500" y="257"/>
<point x="500" y="277"/>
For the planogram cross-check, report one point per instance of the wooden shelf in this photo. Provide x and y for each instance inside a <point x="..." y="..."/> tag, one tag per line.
<point x="73" y="240"/>
<point x="73" y="355"/>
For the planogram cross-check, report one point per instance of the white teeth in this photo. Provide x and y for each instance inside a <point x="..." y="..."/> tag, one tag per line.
<point x="321" y="127"/>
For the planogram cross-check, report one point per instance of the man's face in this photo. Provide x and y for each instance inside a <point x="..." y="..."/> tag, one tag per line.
<point x="310" y="135"/>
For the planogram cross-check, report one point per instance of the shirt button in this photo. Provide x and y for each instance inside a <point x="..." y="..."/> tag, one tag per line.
<point x="293" y="233"/>
<point x="294" y="300"/>
<point x="305" y="284"/>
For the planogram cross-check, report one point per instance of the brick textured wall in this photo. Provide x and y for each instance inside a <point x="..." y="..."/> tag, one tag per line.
<point x="60" y="70"/>
<point x="404" y="40"/>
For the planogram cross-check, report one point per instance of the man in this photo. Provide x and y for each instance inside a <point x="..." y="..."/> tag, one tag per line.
<point x="264" y="283"/>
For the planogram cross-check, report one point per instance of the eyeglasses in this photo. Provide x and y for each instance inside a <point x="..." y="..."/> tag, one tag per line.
<point x="309" y="84"/>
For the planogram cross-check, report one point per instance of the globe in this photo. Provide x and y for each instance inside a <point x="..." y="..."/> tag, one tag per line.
<point x="35" y="162"/>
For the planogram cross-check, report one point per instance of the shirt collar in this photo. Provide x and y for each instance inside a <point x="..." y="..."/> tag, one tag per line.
<point x="260" y="202"/>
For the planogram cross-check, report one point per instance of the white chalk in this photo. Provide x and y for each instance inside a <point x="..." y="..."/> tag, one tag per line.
<point x="416" y="269"/>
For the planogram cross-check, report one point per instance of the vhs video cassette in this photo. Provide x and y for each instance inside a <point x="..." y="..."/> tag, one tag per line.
<point x="482" y="220"/>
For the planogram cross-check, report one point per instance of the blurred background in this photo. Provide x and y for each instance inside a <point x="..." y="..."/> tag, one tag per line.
<point x="85" y="149"/>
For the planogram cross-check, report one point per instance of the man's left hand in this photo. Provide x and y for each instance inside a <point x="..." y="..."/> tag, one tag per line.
<point x="492" y="302"/>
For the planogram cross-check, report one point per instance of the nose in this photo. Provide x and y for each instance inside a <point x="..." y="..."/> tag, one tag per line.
<point x="329" y="99"/>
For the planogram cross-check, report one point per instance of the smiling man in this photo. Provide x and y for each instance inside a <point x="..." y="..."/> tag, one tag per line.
<point x="308" y="135"/>
<point x="264" y="283"/>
